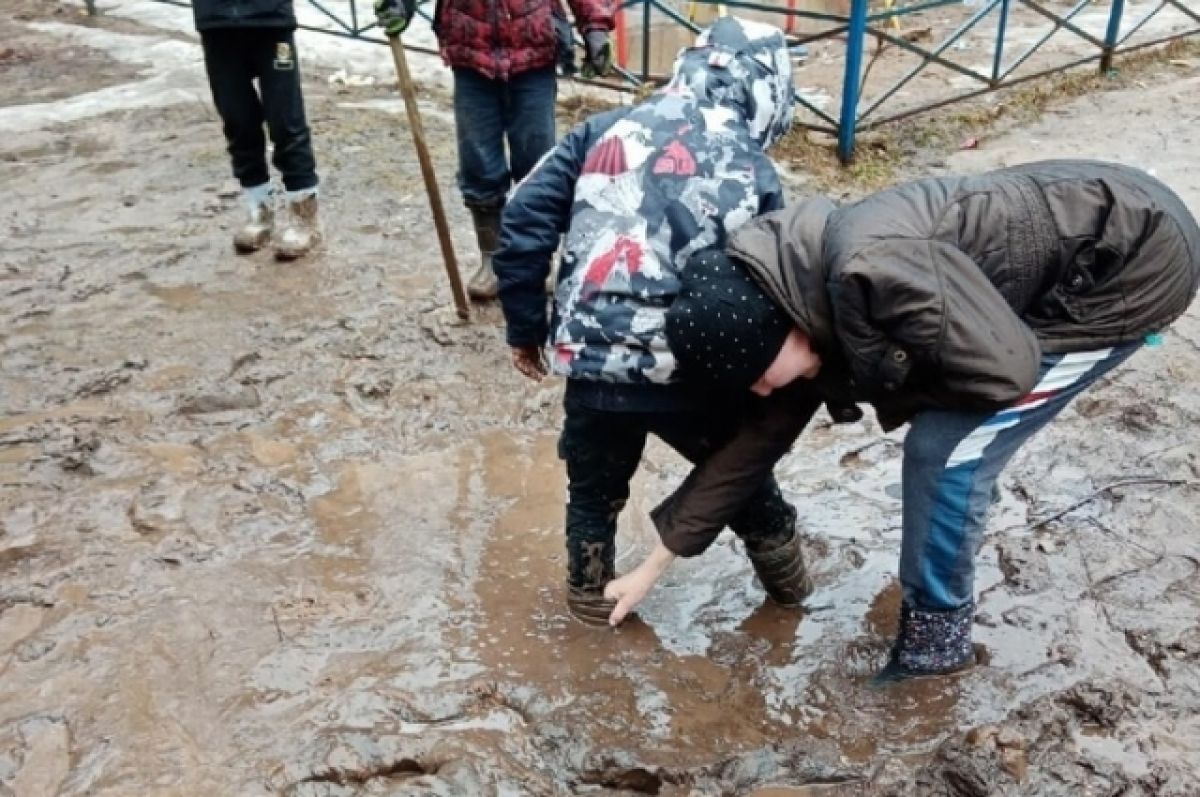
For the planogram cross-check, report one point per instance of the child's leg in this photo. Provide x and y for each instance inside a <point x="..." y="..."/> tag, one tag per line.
<point x="278" y="70"/>
<point x="231" y="77"/>
<point x="602" y="451"/>
<point x="529" y="119"/>
<point x="951" y="463"/>
<point x="483" y="174"/>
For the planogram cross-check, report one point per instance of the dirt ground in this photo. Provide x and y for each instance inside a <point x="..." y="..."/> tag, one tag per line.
<point x="287" y="530"/>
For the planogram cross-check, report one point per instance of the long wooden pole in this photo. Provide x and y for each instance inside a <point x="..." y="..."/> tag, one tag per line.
<point x="431" y="186"/>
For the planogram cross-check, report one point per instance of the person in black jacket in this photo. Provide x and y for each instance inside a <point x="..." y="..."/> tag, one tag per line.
<point x="974" y="308"/>
<point x="244" y="41"/>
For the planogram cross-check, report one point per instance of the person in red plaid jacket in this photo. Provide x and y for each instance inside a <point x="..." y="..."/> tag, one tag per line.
<point x="503" y="54"/>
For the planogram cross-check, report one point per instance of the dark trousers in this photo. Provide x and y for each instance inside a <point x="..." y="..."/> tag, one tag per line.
<point x="490" y="113"/>
<point x="602" y="450"/>
<point x="234" y="59"/>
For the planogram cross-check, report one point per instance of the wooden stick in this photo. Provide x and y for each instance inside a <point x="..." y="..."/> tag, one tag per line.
<point x="431" y="186"/>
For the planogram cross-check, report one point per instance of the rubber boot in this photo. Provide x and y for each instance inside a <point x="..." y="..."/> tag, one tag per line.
<point x="260" y="219"/>
<point x="590" y="566"/>
<point x="482" y="285"/>
<point x="929" y="643"/>
<point x="302" y="232"/>
<point x="782" y="571"/>
<point x="768" y="528"/>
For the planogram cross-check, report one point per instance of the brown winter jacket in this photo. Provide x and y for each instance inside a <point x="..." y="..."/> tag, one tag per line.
<point x="503" y="38"/>
<point x="944" y="293"/>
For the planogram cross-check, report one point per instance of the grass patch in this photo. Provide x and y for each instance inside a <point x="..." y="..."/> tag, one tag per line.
<point x="578" y="107"/>
<point x="883" y="153"/>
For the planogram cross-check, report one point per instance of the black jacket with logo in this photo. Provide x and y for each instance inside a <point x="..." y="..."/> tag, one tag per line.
<point x="217" y="14"/>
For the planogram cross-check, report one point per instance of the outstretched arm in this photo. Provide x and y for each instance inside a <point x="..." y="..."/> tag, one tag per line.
<point x="716" y="490"/>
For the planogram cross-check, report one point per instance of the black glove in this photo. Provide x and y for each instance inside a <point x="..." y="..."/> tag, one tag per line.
<point x="565" y="41"/>
<point x="597" y="53"/>
<point x="393" y="16"/>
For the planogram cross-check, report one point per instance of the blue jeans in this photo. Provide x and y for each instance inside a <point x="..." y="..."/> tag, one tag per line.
<point x="487" y="113"/>
<point x="951" y="463"/>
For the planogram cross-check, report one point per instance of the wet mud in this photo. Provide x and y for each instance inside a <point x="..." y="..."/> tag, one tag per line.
<point x="291" y="530"/>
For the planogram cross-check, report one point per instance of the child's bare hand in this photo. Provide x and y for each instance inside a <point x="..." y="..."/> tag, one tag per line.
<point x="529" y="361"/>
<point x="630" y="589"/>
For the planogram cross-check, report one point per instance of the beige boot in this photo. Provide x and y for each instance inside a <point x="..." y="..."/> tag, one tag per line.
<point x="260" y="220"/>
<point x="302" y="233"/>
<point x="482" y="285"/>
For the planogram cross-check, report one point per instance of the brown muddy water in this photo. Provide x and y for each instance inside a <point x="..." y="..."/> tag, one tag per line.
<point x="289" y="530"/>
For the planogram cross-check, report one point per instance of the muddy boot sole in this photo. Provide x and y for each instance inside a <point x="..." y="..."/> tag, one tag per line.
<point x="894" y="672"/>
<point x="249" y="247"/>
<point x="794" y="599"/>
<point x="481" y="295"/>
<point x="285" y="251"/>
<point x="290" y="256"/>
<point x="252" y="239"/>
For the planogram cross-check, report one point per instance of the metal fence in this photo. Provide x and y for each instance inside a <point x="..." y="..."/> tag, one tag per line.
<point x="1007" y="64"/>
<point x="1004" y="61"/>
<point x="345" y="20"/>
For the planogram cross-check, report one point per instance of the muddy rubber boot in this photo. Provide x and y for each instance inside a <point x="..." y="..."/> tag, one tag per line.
<point x="590" y="566"/>
<point x="782" y="572"/>
<point x="302" y="233"/>
<point x="482" y="285"/>
<point x="260" y="219"/>
<point x="929" y="643"/>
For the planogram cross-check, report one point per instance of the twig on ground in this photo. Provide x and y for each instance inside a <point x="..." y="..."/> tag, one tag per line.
<point x="1107" y="489"/>
<point x="881" y="45"/>
<point x="1159" y="555"/>
<point x="1091" y="588"/>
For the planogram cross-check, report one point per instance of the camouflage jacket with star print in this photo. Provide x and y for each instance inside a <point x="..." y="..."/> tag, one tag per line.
<point x="636" y="192"/>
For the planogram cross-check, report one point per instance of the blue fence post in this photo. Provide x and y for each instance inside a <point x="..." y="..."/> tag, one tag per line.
<point x="1001" y="29"/>
<point x="856" y="38"/>
<point x="645" y="41"/>
<point x="1111" y="35"/>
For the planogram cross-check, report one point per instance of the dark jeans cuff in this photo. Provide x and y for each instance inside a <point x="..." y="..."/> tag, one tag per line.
<point x="300" y="183"/>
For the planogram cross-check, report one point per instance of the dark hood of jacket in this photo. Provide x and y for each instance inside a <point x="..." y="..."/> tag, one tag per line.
<point x="744" y="65"/>
<point x="946" y="292"/>
<point x="784" y="251"/>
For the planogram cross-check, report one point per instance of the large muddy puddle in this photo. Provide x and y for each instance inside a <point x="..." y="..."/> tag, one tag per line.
<point x="273" y="530"/>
